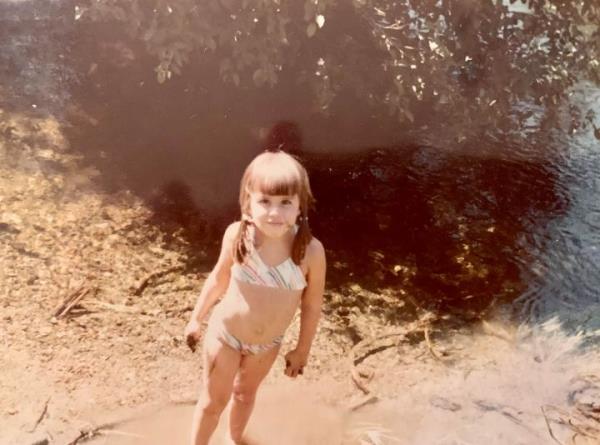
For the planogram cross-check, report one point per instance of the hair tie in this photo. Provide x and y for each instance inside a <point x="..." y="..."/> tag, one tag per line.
<point x="246" y="218"/>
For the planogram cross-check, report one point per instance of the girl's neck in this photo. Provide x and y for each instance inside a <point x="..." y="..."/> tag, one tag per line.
<point x="262" y="240"/>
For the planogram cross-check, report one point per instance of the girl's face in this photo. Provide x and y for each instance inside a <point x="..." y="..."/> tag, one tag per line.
<point x="274" y="215"/>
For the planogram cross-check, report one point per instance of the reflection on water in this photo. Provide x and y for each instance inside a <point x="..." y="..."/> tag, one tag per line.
<point x="451" y="220"/>
<point x="456" y="230"/>
<point x="564" y="276"/>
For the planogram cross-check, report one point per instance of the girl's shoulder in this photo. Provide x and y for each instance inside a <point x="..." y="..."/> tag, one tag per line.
<point x="231" y="233"/>
<point x="315" y="245"/>
<point x="315" y="252"/>
<point x="232" y="229"/>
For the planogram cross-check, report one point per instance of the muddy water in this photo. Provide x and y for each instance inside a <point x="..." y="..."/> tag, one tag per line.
<point x="503" y="392"/>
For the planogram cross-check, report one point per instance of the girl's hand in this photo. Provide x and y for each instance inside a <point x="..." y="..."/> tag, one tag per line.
<point x="294" y="363"/>
<point x="192" y="334"/>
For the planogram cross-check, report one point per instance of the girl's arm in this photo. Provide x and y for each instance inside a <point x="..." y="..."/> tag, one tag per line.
<point x="310" y="307"/>
<point x="217" y="281"/>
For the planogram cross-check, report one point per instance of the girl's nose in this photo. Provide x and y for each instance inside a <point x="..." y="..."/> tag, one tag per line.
<point x="274" y="211"/>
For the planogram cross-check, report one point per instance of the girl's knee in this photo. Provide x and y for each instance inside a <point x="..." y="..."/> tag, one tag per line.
<point x="212" y="405"/>
<point x="244" y="395"/>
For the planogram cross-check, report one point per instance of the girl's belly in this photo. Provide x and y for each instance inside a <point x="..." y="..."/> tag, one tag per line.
<point x="256" y="314"/>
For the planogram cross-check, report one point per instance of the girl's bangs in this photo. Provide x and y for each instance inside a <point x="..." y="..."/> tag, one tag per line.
<point x="277" y="183"/>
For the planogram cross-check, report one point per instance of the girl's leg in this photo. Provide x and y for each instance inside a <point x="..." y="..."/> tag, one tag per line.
<point x="221" y="363"/>
<point x="253" y="369"/>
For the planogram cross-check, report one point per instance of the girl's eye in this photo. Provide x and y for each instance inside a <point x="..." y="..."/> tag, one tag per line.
<point x="263" y="201"/>
<point x="286" y="202"/>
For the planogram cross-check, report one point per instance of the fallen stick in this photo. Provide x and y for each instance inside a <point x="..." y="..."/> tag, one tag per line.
<point x="44" y="411"/>
<point x="577" y="422"/>
<point x="83" y="434"/>
<point x="157" y="274"/>
<point x="71" y="301"/>
<point x="430" y="345"/>
<point x="66" y="302"/>
<point x="357" y="359"/>
<point x="107" y="428"/>
<point x="356" y="379"/>
<point x="549" y="428"/>
<point x="378" y="348"/>
<point x="364" y="401"/>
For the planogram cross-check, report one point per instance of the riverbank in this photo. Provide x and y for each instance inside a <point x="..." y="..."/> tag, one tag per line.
<point x="94" y="298"/>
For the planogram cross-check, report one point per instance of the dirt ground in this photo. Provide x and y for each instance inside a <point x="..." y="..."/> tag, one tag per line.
<point x="94" y="300"/>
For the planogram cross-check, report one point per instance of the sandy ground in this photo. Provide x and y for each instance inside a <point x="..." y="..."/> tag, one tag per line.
<point x="485" y="389"/>
<point x="112" y="368"/>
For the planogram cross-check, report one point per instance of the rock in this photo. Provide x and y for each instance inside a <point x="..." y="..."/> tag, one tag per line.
<point x="11" y="219"/>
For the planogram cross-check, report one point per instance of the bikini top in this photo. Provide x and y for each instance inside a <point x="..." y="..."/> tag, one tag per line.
<point x="286" y="275"/>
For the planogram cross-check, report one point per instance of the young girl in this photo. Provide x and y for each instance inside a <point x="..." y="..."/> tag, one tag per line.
<point x="269" y="265"/>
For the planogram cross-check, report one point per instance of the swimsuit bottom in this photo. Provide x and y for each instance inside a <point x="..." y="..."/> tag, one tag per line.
<point x="247" y="348"/>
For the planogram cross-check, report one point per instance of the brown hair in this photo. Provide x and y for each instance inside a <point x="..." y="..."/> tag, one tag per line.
<point x="275" y="173"/>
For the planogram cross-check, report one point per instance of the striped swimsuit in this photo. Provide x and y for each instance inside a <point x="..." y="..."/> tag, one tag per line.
<point x="286" y="275"/>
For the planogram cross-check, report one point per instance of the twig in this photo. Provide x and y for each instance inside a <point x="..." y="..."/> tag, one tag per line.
<point x="358" y="359"/>
<point x="364" y="401"/>
<point x="578" y="422"/>
<point x="71" y="301"/>
<point x="549" y="428"/>
<point x="59" y="310"/>
<point x="106" y="428"/>
<point x="355" y="360"/>
<point x="157" y="274"/>
<point x="429" y="345"/>
<point x="44" y="411"/>
<point x="83" y="434"/>
<point x="356" y="379"/>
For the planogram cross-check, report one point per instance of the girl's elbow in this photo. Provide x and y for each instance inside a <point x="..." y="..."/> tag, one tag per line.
<point x="215" y="280"/>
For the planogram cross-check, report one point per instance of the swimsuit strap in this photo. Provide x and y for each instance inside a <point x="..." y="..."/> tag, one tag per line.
<point x="286" y="275"/>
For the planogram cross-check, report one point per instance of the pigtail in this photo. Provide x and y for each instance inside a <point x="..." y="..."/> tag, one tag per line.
<point x="301" y="240"/>
<point x="304" y="235"/>
<point x="240" y="244"/>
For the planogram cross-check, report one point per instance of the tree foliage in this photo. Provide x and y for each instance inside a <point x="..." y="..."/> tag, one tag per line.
<point x="470" y="61"/>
